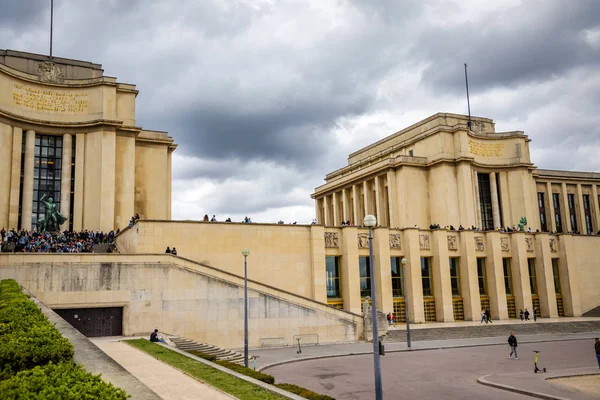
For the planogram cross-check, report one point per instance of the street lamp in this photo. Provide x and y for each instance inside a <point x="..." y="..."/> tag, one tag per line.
<point x="370" y="221"/>
<point x="404" y="261"/>
<point x="245" y="253"/>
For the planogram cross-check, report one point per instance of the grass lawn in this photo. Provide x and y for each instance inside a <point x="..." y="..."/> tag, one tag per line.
<point x="239" y="388"/>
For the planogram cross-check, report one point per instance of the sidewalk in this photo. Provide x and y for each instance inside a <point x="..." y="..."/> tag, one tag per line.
<point x="430" y="325"/>
<point x="275" y="356"/>
<point x="166" y="381"/>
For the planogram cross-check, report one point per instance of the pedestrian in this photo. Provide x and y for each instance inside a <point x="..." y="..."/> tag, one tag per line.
<point x="393" y="319"/>
<point x="174" y="251"/>
<point x="597" y="347"/>
<point x="488" y="316"/>
<point x="168" y="250"/>
<point x="389" y="319"/>
<point x="526" y="315"/>
<point x="483" y="317"/>
<point x="534" y="314"/>
<point x="521" y="314"/>
<point x="512" y="342"/>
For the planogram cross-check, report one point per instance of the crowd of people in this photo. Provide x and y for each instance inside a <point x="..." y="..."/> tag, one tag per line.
<point x="24" y="241"/>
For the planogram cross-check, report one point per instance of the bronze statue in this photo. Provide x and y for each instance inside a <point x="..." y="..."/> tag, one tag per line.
<point x="522" y="223"/>
<point x="53" y="219"/>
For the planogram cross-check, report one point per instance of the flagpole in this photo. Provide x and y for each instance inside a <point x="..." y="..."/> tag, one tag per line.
<point x="51" y="22"/>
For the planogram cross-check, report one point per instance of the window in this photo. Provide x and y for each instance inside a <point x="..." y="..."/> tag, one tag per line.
<point x="410" y="153"/>
<point x="365" y="276"/>
<point x="588" y="214"/>
<point x="485" y="200"/>
<point x="507" y="276"/>
<point x="481" y="277"/>
<point x="542" y="209"/>
<point x="397" y="277"/>
<point x="498" y="191"/>
<point x="572" y="213"/>
<point x="47" y="174"/>
<point x="455" y="276"/>
<point x="557" y="215"/>
<point x="333" y="277"/>
<point x="427" y="277"/>
<point x="556" y="275"/>
<point x="532" y="276"/>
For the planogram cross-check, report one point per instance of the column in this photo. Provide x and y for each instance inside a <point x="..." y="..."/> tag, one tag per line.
<point x="392" y="199"/>
<point x="520" y="271"/>
<point x="79" y="170"/>
<point x="504" y="196"/>
<point x="550" y="201"/>
<point x="65" y="179"/>
<point x="468" y="276"/>
<point x="356" y="205"/>
<point x="414" y="282"/>
<point x="169" y="179"/>
<point x="596" y="208"/>
<point x="6" y="138"/>
<point x="569" y="280"/>
<point x="326" y="218"/>
<point x="350" y="272"/>
<point x="579" y="201"/>
<point x="317" y="247"/>
<point x="380" y="207"/>
<point x="345" y="206"/>
<point x="15" y="178"/>
<point x="401" y="189"/>
<point x="368" y="207"/>
<point x="495" y="276"/>
<point x="441" y="276"/>
<point x="477" y="200"/>
<point x="545" y="276"/>
<point x="27" y="205"/>
<point x="382" y="269"/>
<point x="336" y="215"/>
<point x="565" y="205"/>
<point x="494" y="194"/>
<point x="466" y="202"/>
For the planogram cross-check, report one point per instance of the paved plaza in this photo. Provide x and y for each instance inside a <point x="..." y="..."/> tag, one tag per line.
<point x="448" y="373"/>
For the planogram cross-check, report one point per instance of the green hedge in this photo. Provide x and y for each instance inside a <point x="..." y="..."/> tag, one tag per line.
<point x="247" y="371"/>
<point x="300" y="391"/>
<point x="65" y="381"/>
<point x="208" y="357"/>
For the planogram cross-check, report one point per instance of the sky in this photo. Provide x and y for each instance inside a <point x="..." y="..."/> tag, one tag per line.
<point x="265" y="97"/>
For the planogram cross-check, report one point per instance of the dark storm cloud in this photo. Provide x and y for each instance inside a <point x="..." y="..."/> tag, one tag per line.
<point x="532" y="42"/>
<point x="21" y="15"/>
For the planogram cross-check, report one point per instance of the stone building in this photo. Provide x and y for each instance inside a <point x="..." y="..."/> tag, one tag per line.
<point x="69" y="131"/>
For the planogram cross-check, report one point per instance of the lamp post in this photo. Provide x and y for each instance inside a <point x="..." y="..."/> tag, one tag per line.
<point x="245" y="253"/>
<point x="404" y="261"/>
<point x="370" y="221"/>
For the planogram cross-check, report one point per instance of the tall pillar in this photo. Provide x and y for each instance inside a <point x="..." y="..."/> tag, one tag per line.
<point x="317" y="247"/>
<point x="382" y="269"/>
<point x="468" y="276"/>
<point x="494" y="271"/>
<point x="392" y="199"/>
<point x="579" y="200"/>
<point x="441" y="276"/>
<point x="494" y="194"/>
<point x="565" y="205"/>
<point x="336" y="215"/>
<point x="520" y="271"/>
<point x="356" y="204"/>
<point x="367" y="206"/>
<point x="466" y="201"/>
<point x="477" y="200"/>
<point x="401" y="191"/>
<point x="6" y="145"/>
<point x="596" y="208"/>
<point x="345" y="206"/>
<point x="414" y="281"/>
<point x="27" y="206"/>
<point x="79" y="169"/>
<point x="350" y="273"/>
<point x="545" y="276"/>
<point x="169" y="179"/>
<point x="380" y="207"/>
<point x="550" y="200"/>
<point x="65" y="179"/>
<point x="569" y="279"/>
<point x="326" y="217"/>
<point x="15" y="178"/>
<point x="504" y="196"/>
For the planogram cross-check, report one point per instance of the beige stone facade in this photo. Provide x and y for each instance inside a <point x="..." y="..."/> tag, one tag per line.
<point x="69" y="131"/>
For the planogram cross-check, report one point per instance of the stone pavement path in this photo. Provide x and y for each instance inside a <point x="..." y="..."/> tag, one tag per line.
<point x="166" y="381"/>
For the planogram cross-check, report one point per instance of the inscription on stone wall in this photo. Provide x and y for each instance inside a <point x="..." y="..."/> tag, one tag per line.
<point x="486" y="149"/>
<point x="49" y="100"/>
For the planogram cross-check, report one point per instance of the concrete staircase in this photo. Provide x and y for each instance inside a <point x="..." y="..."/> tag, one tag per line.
<point x="221" y="354"/>
<point x="493" y="330"/>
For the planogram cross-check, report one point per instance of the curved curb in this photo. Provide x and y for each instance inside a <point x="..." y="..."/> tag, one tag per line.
<point x="482" y="380"/>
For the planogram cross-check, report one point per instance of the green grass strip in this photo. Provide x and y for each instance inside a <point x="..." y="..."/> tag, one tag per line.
<point x="237" y="387"/>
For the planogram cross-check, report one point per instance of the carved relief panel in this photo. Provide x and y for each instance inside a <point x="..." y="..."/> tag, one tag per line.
<point x="331" y="239"/>
<point x="363" y="241"/>
<point x="529" y="243"/>
<point x="504" y="244"/>
<point x="452" y="242"/>
<point x="553" y="247"/>
<point x="394" y="241"/>
<point x="424" y="242"/>
<point x="479" y="246"/>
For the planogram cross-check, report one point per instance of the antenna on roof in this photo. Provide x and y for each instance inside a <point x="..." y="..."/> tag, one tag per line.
<point x="51" y="22"/>
<point x="468" y="102"/>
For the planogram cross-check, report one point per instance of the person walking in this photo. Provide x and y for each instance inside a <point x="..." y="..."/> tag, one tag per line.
<point x="512" y="342"/>
<point x="483" y="317"/>
<point x="521" y="314"/>
<point x="488" y="316"/>
<point x="534" y="315"/>
<point x="393" y="319"/>
<point x="526" y="315"/>
<point x="597" y="347"/>
<point x="389" y="319"/>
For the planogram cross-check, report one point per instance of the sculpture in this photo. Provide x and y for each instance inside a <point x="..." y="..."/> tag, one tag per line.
<point x="522" y="223"/>
<point x="53" y="219"/>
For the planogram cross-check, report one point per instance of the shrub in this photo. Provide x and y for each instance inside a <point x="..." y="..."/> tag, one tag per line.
<point x="300" y="391"/>
<point x="247" y="371"/>
<point x="65" y="381"/>
<point x="208" y="357"/>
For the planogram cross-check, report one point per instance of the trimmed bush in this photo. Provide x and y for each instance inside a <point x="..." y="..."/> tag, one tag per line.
<point x="65" y="381"/>
<point x="247" y="371"/>
<point x="208" y="357"/>
<point x="300" y="391"/>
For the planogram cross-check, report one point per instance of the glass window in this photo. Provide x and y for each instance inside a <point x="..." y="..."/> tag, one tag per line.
<point x="365" y="276"/>
<point x="557" y="214"/>
<point x="485" y="200"/>
<point x="397" y="276"/>
<point x="572" y="213"/>
<point x="507" y="276"/>
<point x="426" y="276"/>
<point x="481" y="276"/>
<point x="588" y="213"/>
<point x="542" y="210"/>
<point x="455" y="276"/>
<point x="556" y="275"/>
<point x="532" y="276"/>
<point x="333" y="277"/>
